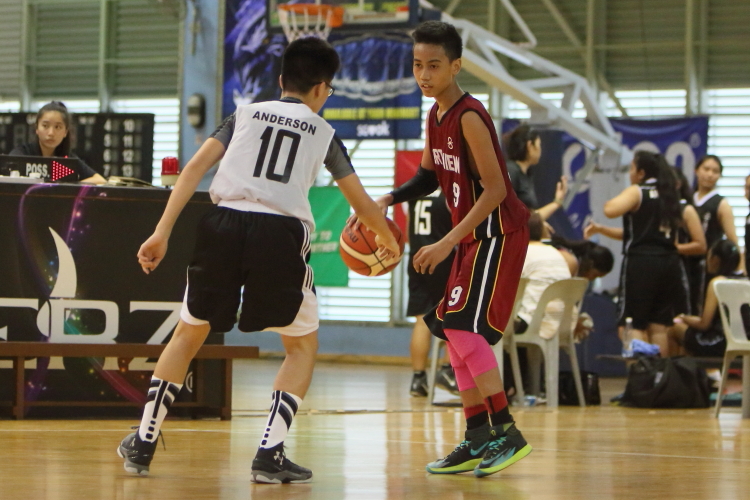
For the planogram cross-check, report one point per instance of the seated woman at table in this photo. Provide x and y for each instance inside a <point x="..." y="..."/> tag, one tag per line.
<point x="53" y="133"/>
<point x="703" y="336"/>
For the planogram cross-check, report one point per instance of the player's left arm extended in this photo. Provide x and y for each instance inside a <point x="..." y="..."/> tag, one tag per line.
<point x="154" y="249"/>
<point x="479" y="141"/>
<point x="209" y="153"/>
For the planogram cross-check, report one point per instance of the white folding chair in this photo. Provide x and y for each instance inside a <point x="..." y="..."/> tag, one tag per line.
<point x="571" y="292"/>
<point x="437" y="344"/>
<point x="732" y="295"/>
<point x="510" y="330"/>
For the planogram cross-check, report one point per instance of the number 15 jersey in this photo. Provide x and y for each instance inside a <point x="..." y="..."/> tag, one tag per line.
<point x="274" y="152"/>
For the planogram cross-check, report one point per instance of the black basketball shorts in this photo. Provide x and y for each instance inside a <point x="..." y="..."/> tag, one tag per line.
<point x="264" y="253"/>
<point x="426" y="290"/>
<point x="652" y="289"/>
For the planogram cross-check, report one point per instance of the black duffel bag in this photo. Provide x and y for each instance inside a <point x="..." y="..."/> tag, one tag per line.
<point x="568" y="395"/>
<point x="666" y="383"/>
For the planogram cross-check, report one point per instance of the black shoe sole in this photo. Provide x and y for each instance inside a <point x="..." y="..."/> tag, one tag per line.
<point x="264" y="477"/>
<point x="132" y="467"/>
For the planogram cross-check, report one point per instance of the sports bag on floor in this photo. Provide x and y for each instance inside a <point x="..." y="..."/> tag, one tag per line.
<point x="666" y="383"/>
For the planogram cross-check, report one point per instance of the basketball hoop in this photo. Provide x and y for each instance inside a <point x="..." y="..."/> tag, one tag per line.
<point x="309" y="19"/>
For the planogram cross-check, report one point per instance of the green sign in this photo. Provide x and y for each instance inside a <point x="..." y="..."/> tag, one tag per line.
<point x="330" y="210"/>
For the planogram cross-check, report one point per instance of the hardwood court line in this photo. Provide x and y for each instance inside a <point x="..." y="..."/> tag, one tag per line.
<point x="347" y="412"/>
<point x="652" y="455"/>
<point x="401" y="441"/>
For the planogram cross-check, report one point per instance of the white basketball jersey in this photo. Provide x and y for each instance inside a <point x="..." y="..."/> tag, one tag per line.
<point x="273" y="158"/>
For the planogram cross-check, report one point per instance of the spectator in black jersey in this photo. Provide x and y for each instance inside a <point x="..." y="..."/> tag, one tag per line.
<point x="704" y="335"/>
<point x="523" y="148"/>
<point x="691" y="243"/>
<point x="717" y="220"/>
<point x="53" y="132"/>
<point x="651" y="270"/>
<point x="714" y="210"/>
<point x="429" y="222"/>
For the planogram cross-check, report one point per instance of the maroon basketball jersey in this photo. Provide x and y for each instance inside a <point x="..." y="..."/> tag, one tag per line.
<point x="450" y="155"/>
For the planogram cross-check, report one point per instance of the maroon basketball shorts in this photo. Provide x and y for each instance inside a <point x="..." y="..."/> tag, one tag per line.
<point x="482" y="286"/>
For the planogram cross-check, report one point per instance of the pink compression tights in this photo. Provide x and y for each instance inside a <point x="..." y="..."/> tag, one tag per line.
<point x="470" y="356"/>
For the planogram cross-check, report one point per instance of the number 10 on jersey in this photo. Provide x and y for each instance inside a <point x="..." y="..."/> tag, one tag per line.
<point x="278" y="142"/>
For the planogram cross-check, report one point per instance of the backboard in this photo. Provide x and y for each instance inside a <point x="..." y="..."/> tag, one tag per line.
<point x="358" y="15"/>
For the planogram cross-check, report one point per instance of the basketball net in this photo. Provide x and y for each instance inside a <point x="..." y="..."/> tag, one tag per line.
<point x="299" y="20"/>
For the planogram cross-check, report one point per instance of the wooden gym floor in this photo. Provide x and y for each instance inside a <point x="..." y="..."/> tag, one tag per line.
<point x="365" y="438"/>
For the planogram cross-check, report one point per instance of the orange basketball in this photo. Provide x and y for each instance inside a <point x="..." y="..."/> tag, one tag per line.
<point x="359" y="251"/>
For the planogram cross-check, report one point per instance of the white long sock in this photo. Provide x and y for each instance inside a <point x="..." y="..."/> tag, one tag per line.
<point x="283" y="408"/>
<point x="161" y="395"/>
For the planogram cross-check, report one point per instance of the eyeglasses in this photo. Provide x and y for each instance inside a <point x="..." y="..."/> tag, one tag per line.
<point x="331" y="89"/>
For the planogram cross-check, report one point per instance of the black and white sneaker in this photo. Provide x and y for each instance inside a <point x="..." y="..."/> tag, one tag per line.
<point x="137" y="453"/>
<point x="446" y="379"/>
<point x="271" y="466"/>
<point x="419" y="388"/>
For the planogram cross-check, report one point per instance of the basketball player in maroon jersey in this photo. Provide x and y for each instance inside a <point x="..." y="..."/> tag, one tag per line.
<point x="462" y="155"/>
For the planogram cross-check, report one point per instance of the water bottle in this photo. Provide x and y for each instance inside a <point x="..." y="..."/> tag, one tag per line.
<point x="627" y="339"/>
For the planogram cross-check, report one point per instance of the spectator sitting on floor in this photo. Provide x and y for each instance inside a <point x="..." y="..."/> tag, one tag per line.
<point x="703" y="336"/>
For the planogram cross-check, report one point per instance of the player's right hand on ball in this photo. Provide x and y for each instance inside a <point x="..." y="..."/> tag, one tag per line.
<point x="388" y="247"/>
<point x="152" y="252"/>
<point x="383" y="203"/>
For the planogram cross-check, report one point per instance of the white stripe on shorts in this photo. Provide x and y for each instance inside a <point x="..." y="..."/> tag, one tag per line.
<point x="484" y="283"/>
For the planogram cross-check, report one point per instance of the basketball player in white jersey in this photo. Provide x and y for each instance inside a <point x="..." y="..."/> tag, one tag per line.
<point x="258" y="236"/>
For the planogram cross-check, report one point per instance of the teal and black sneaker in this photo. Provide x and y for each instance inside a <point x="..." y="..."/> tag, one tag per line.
<point x="466" y="456"/>
<point x="504" y="449"/>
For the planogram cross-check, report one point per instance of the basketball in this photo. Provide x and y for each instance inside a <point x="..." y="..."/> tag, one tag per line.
<point x="358" y="250"/>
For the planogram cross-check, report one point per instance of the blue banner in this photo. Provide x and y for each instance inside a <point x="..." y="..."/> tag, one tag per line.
<point x="252" y="56"/>
<point x="683" y="141"/>
<point x="376" y="94"/>
<point x="574" y="158"/>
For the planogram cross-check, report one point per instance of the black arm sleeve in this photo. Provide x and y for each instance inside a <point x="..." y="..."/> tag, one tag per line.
<point x="422" y="184"/>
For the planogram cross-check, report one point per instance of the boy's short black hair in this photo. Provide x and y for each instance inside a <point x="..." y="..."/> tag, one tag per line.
<point x="307" y="62"/>
<point x="440" y="33"/>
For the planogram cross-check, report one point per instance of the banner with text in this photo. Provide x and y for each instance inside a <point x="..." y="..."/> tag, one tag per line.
<point x="682" y="141"/>
<point x="376" y="95"/>
<point x="330" y="210"/>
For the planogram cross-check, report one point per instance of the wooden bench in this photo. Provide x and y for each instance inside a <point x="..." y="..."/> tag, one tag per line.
<point x="19" y="351"/>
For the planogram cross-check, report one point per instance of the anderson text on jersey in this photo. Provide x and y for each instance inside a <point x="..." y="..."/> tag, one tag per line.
<point x="285" y="122"/>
